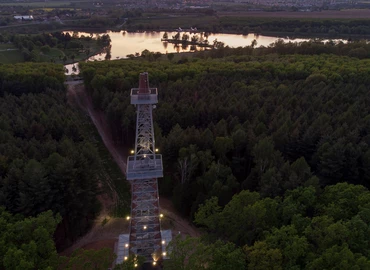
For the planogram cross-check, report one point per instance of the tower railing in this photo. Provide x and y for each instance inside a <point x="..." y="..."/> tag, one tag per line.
<point x="139" y="167"/>
<point x="151" y="97"/>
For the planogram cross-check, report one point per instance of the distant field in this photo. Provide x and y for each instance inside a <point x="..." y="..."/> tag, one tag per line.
<point x="335" y="14"/>
<point x="53" y="4"/>
<point x="185" y="21"/>
<point x="51" y="9"/>
<point x="39" y="4"/>
<point x="10" y="57"/>
<point x="53" y="54"/>
<point x="5" y="46"/>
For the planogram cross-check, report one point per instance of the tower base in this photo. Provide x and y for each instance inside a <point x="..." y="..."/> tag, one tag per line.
<point x="122" y="251"/>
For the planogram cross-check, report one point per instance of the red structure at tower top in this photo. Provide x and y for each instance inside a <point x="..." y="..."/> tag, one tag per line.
<point x="144" y="83"/>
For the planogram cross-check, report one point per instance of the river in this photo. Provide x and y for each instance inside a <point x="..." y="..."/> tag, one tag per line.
<point x="126" y="43"/>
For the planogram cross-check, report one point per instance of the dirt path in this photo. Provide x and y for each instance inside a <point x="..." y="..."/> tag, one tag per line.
<point x="76" y="94"/>
<point x="105" y="236"/>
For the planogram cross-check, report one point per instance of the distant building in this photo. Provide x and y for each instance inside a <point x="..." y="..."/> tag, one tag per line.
<point x="24" y="17"/>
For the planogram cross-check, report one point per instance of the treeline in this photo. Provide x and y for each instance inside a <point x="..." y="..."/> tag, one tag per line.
<point x="264" y="123"/>
<point x="96" y="22"/>
<point x="30" y="78"/>
<point x="4" y="21"/>
<point x="327" y="27"/>
<point x="359" y="49"/>
<point x="113" y="18"/>
<point x="46" y="160"/>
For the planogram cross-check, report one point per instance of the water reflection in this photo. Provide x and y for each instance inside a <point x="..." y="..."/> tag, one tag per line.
<point x="128" y="43"/>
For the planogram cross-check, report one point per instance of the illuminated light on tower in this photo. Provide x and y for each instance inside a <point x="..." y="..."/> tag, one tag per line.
<point x="143" y="169"/>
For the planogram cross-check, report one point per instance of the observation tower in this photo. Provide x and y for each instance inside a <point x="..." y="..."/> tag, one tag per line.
<point x="143" y="169"/>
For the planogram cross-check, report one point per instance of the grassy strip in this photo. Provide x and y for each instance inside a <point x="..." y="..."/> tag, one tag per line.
<point x="5" y="46"/>
<point x="11" y="57"/>
<point x="173" y="22"/>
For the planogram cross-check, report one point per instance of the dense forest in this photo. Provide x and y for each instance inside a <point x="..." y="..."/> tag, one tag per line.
<point x="265" y="149"/>
<point x="331" y="27"/>
<point x="358" y="49"/>
<point x="307" y="228"/>
<point x="46" y="161"/>
<point x="51" y="171"/>
<point x="246" y="120"/>
<point x="266" y="123"/>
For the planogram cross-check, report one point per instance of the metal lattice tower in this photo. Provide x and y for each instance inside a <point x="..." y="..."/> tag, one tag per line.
<point x="143" y="169"/>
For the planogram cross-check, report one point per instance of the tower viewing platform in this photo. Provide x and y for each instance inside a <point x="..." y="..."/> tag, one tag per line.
<point x="144" y="94"/>
<point x="145" y="163"/>
<point x="147" y="98"/>
<point x="144" y="166"/>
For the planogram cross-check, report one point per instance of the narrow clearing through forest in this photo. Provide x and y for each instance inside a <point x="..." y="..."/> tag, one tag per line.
<point x="106" y="236"/>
